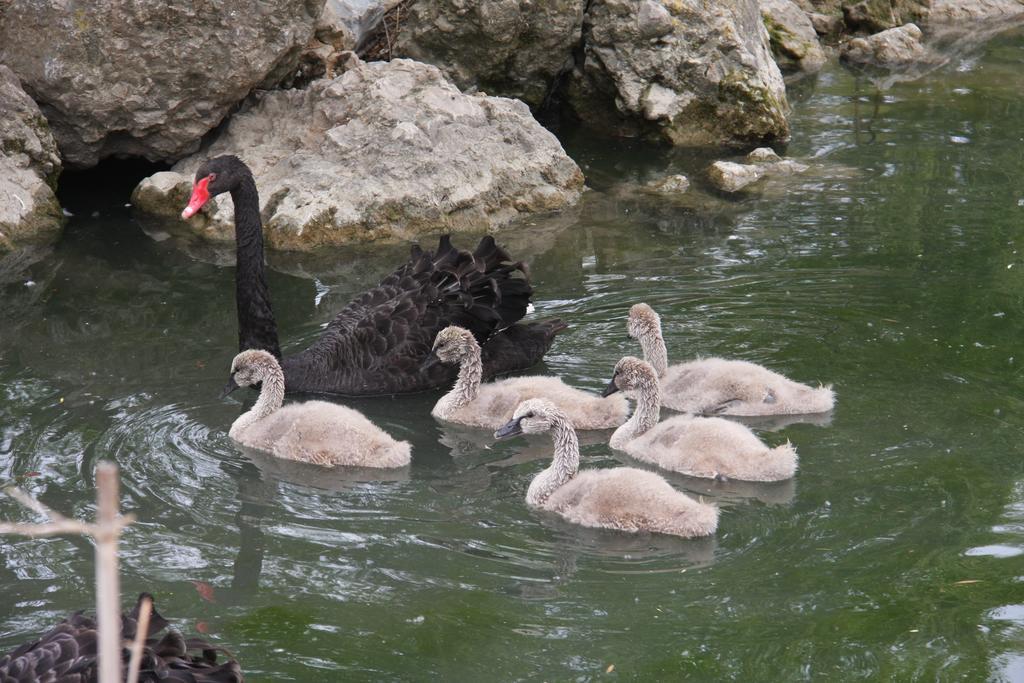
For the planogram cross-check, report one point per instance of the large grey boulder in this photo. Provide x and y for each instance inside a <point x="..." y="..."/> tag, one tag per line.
<point x="387" y="150"/>
<point x="793" y="37"/>
<point x="687" y="72"/>
<point x="513" y="48"/>
<point x="147" y="77"/>
<point x="29" y="167"/>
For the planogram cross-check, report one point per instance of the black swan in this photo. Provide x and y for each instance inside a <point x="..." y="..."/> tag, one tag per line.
<point x="67" y="654"/>
<point x="378" y="343"/>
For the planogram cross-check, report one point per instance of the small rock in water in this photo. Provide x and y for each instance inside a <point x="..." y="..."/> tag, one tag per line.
<point x="729" y="176"/>
<point x="763" y="155"/>
<point x="673" y="184"/>
<point x="896" y="47"/>
<point x="787" y="167"/>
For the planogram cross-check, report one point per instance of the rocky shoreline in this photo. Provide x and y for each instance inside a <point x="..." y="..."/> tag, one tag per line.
<point x="444" y="135"/>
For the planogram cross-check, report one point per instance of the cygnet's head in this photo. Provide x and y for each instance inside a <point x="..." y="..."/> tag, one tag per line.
<point x="643" y="322"/>
<point x="453" y="344"/>
<point x="533" y="416"/>
<point x="250" y="367"/>
<point x="632" y="374"/>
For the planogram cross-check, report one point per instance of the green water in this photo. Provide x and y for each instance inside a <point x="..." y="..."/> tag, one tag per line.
<point x="894" y="269"/>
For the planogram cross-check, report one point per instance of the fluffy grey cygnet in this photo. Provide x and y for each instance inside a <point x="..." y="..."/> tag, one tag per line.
<point x="315" y="431"/>
<point x="491" y="405"/>
<point x="717" y="386"/>
<point x="623" y="498"/>
<point x="697" y="446"/>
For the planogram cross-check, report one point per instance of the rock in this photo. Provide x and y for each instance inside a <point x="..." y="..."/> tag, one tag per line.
<point x="793" y="37"/>
<point x="29" y="167"/>
<point x="828" y="25"/>
<point x="879" y="15"/>
<point x="773" y="163"/>
<point x="512" y="48"/>
<point x="730" y="176"/>
<point x="346" y="24"/>
<point x="147" y="77"/>
<point x="957" y="11"/>
<point x="684" y="72"/>
<point x="787" y="167"/>
<point x="894" y="48"/>
<point x="821" y="6"/>
<point x="335" y="25"/>
<point x="672" y="184"/>
<point x="763" y="155"/>
<point x="342" y="26"/>
<point x="389" y="150"/>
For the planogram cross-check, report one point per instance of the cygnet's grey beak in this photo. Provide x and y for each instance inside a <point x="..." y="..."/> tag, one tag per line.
<point x="513" y="428"/>
<point x="430" y="361"/>
<point x="229" y="387"/>
<point x="611" y="388"/>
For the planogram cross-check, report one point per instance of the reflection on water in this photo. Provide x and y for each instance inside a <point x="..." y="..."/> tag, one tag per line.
<point x="891" y="269"/>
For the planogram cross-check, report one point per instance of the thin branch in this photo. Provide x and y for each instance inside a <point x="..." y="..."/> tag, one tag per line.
<point x="68" y="526"/>
<point x="33" y="504"/>
<point x="141" y="629"/>
<point x="63" y="526"/>
<point x="106" y="531"/>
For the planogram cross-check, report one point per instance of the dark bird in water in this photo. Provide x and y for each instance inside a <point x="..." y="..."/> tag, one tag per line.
<point x="379" y="342"/>
<point x="67" y="654"/>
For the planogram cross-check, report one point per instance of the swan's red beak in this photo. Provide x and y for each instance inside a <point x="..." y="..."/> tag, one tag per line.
<point x="200" y="195"/>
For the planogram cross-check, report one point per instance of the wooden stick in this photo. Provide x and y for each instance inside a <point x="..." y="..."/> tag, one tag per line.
<point x="142" y="628"/>
<point x="107" y="532"/>
<point x="59" y="524"/>
<point x="33" y="504"/>
<point x="108" y="590"/>
<point x="51" y="529"/>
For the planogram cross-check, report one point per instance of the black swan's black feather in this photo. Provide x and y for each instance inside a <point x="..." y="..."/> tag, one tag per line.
<point x="67" y="654"/>
<point x="378" y="342"/>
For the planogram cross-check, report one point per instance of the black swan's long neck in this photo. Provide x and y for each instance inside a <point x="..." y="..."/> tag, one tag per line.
<point x="256" y="326"/>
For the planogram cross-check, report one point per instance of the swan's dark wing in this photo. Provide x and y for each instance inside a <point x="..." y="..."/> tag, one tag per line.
<point x="67" y="654"/>
<point x="378" y="342"/>
<point x="519" y="347"/>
